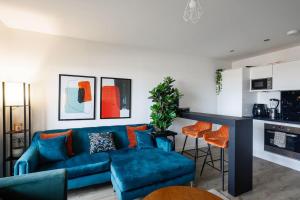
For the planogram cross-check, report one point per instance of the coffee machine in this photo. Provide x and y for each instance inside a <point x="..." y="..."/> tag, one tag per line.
<point x="273" y="109"/>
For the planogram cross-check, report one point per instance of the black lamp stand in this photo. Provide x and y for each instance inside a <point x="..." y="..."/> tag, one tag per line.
<point x="9" y="133"/>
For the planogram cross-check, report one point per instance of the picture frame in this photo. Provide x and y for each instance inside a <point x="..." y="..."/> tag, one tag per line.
<point x="115" y="98"/>
<point x="77" y="97"/>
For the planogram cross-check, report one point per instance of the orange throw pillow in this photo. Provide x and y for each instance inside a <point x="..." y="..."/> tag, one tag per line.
<point x="68" y="133"/>
<point x="131" y="134"/>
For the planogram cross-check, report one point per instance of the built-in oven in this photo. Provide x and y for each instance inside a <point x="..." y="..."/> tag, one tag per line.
<point x="261" y="84"/>
<point x="283" y="140"/>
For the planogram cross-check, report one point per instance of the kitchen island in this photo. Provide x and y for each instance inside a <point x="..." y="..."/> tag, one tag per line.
<point x="240" y="150"/>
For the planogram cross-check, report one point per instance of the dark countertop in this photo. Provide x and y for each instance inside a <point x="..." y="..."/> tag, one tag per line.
<point x="276" y="120"/>
<point x="218" y="119"/>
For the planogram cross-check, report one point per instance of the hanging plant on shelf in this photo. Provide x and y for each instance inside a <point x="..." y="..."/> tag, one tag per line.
<point x="219" y="81"/>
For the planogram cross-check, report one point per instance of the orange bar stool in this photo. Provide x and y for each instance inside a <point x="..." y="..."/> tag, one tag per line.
<point x="196" y="131"/>
<point x="220" y="139"/>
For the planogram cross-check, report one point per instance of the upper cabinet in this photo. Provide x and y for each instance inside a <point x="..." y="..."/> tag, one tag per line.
<point x="261" y="72"/>
<point x="286" y="76"/>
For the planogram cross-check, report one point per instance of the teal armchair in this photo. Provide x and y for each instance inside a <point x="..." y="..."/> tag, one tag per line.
<point x="49" y="185"/>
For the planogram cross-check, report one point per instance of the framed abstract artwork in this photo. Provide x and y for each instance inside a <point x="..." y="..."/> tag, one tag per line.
<point x="115" y="101"/>
<point x="77" y="97"/>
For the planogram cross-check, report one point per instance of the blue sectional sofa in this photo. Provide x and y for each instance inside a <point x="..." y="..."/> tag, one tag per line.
<point x="133" y="172"/>
<point x="35" y="186"/>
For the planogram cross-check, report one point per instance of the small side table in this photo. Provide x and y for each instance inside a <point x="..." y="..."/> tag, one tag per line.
<point x="165" y="134"/>
<point x="180" y="193"/>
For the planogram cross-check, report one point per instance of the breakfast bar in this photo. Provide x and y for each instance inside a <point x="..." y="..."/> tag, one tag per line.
<point x="240" y="151"/>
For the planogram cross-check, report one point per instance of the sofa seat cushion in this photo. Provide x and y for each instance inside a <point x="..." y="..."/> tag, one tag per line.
<point x="132" y="169"/>
<point x="81" y="165"/>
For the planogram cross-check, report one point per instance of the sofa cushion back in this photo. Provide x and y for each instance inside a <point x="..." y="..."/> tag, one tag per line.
<point x="81" y="142"/>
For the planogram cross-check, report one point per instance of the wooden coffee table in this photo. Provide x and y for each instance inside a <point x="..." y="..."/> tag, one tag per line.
<point x="181" y="193"/>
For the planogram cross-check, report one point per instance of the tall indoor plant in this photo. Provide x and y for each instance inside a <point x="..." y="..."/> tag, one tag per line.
<point x="165" y="98"/>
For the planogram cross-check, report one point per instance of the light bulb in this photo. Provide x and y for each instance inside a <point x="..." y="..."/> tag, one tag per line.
<point x="192" y="4"/>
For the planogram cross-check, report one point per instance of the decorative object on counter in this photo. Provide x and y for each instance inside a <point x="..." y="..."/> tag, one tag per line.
<point x="273" y="110"/>
<point x="165" y="98"/>
<point x="115" y="98"/>
<point x="219" y="81"/>
<point x="77" y="96"/>
<point x="17" y="136"/>
<point x="260" y="110"/>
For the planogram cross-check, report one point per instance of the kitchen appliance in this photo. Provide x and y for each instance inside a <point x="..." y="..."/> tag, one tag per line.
<point x="283" y="140"/>
<point x="290" y="105"/>
<point x="273" y="109"/>
<point x="260" y="110"/>
<point x="261" y="84"/>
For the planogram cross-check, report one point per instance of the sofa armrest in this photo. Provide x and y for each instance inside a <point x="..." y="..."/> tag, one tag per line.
<point x="28" y="161"/>
<point x="47" y="185"/>
<point x="164" y="144"/>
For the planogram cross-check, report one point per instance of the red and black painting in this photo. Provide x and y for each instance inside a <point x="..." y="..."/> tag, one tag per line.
<point x="115" y="98"/>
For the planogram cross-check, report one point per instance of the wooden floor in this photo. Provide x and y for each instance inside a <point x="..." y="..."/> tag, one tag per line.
<point x="270" y="182"/>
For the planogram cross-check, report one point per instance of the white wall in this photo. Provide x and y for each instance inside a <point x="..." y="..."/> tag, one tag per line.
<point x="229" y="101"/>
<point x="39" y="58"/>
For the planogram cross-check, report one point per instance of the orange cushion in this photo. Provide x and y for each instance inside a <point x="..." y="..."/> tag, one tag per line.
<point x="68" y="133"/>
<point x="131" y="134"/>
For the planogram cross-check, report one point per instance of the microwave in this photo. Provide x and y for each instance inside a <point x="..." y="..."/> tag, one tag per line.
<point x="261" y="84"/>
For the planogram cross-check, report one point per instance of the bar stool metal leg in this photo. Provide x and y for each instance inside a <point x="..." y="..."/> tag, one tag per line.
<point x="222" y="168"/>
<point x="196" y="150"/>
<point x="204" y="162"/>
<point x="184" y="144"/>
<point x="211" y="158"/>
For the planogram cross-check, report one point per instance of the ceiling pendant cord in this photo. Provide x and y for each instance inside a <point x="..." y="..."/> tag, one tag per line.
<point x="193" y="11"/>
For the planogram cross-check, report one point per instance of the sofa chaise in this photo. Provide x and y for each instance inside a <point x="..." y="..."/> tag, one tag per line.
<point x="133" y="172"/>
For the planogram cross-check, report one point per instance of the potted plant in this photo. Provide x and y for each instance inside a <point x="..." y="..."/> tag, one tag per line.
<point x="219" y="81"/>
<point x="165" y="100"/>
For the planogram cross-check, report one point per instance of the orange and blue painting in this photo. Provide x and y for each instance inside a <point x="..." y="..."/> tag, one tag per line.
<point x="76" y="97"/>
<point x="115" y="98"/>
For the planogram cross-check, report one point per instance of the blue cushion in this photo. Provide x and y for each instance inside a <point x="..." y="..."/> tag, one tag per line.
<point x="164" y="144"/>
<point x="144" y="139"/>
<point x="53" y="149"/>
<point x="148" y="166"/>
<point x="82" y="164"/>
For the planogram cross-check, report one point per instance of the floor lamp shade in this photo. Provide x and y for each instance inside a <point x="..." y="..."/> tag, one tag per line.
<point x="14" y="94"/>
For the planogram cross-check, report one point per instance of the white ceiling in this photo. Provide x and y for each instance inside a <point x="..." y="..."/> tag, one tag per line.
<point x="227" y="24"/>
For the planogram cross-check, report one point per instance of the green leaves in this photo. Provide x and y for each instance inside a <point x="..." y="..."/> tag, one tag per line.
<point x="218" y="81"/>
<point x="165" y="98"/>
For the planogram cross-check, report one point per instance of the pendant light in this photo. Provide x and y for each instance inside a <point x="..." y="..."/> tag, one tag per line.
<point x="193" y="11"/>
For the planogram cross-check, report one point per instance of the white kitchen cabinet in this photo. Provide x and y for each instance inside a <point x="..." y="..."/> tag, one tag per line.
<point x="261" y="72"/>
<point x="286" y="76"/>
